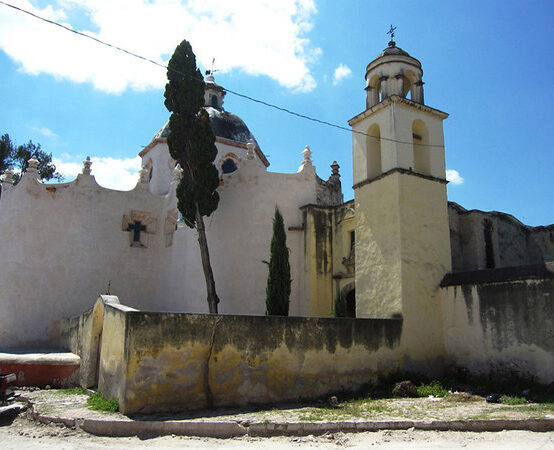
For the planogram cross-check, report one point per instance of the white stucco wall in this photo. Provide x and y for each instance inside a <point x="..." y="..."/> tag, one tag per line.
<point x="239" y="235"/>
<point x="63" y="243"/>
<point x="158" y="158"/>
<point x="61" y="246"/>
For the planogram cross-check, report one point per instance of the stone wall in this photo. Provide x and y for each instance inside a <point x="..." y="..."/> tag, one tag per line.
<point x="488" y="240"/>
<point x="501" y="321"/>
<point x="155" y="361"/>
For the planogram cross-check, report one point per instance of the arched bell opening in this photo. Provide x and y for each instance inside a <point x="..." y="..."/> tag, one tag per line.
<point x="374" y="94"/>
<point x="374" y="164"/>
<point x="422" y="154"/>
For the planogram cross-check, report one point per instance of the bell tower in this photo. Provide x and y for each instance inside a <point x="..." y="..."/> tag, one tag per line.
<point x="402" y="233"/>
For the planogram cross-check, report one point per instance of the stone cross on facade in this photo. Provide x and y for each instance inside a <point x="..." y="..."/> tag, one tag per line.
<point x="136" y="227"/>
<point x="139" y="224"/>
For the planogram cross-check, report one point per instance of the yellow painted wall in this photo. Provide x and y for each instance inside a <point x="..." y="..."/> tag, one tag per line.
<point x="344" y="224"/>
<point x="402" y="254"/>
<point x="425" y="255"/>
<point x="113" y="361"/>
<point x="378" y="249"/>
<point x="248" y="359"/>
<point x="318" y="260"/>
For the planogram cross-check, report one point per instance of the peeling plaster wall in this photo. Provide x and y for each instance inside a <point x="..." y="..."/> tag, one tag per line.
<point x="501" y="326"/>
<point x="486" y="240"/>
<point x="169" y="357"/>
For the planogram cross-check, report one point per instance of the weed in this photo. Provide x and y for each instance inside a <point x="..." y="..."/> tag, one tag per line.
<point x="434" y="388"/>
<point x="510" y="400"/>
<point x="97" y="402"/>
<point x="72" y="391"/>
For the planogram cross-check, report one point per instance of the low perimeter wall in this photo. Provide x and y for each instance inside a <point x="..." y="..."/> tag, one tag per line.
<point x="154" y="361"/>
<point x="501" y="321"/>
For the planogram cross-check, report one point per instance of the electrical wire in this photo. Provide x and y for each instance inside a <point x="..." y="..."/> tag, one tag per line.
<point x="238" y="94"/>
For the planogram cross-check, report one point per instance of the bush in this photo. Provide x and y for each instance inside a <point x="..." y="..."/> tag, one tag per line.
<point x="97" y="402"/>
<point x="510" y="400"/>
<point x="434" y="388"/>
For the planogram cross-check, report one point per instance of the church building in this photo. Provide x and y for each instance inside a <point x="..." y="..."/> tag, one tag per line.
<point x="393" y="252"/>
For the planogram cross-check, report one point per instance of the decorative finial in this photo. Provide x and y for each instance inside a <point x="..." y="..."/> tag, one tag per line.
<point x="86" y="165"/>
<point x="391" y="32"/>
<point x="177" y="172"/>
<point x="8" y="177"/>
<point x="250" y="149"/>
<point x="210" y="72"/>
<point x="335" y="170"/>
<point x="307" y="156"/>
<point x="32" y="165"/>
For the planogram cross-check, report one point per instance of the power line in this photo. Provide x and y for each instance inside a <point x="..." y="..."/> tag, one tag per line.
<point x="238" y="94"/>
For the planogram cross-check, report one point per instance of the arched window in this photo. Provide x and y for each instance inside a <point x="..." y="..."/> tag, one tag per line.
<point x="422" y="154"/>
<point x="214" y="101"/>
<point x="228" y="166"/>
<point x="374" y="165"/>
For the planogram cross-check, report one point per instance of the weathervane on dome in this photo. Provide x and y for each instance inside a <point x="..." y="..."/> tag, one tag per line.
<point x="391" y="32"/>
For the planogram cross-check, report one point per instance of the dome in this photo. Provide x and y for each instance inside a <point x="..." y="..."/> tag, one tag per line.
<point x="392" y="49"/>
<point x="224" y="125"/>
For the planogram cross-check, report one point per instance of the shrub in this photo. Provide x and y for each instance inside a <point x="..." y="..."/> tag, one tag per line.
<point x="511" y="400"/>
<point x="435" y="388"/>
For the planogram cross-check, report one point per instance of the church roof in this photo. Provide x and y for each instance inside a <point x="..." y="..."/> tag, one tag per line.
<point x="392" y="49"/>
<point x="224" y="125"/>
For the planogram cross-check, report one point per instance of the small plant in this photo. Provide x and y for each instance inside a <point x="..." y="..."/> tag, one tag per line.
<point x="435" y="388"/>
<point x="340" y="305"/>
<point x="511" y="400"/>
<point x="97" y="402"/>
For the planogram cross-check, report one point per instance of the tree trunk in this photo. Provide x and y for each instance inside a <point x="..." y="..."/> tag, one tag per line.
<point x="213" y="299"/>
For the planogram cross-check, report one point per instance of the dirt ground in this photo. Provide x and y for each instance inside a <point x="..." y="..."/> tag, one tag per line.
<point x="26" y="434"/>
<point x="62" y="403"/>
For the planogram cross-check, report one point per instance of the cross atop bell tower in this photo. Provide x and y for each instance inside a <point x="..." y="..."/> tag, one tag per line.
<point x="391" y="32"/>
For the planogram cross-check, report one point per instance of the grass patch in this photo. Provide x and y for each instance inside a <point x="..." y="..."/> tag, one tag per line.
<point x="97" y="402"/>
<point x="435" y="388"/>
<point x="72" y="391"/>
<point x="511" y="400"/>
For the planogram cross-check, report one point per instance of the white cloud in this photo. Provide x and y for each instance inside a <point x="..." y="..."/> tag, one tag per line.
<point x="113" y="173"/>
<point x="341" y="72"/>
<point x="45" y="131"/>
<point x="259" y="37"/>
<point x="454" y="176"/>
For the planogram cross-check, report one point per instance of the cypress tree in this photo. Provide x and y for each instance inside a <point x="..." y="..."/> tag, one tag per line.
<point x="278" y="278"/>
<point x="191" y="143"/>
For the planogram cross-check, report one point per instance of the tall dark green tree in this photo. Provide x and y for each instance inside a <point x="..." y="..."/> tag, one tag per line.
<point x="278" y="278"/>
<point x="16" y="157"/>
<point x="191" y="143"/>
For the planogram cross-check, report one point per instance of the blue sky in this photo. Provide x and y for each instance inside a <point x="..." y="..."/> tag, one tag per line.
<point x="489" y="64"/>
